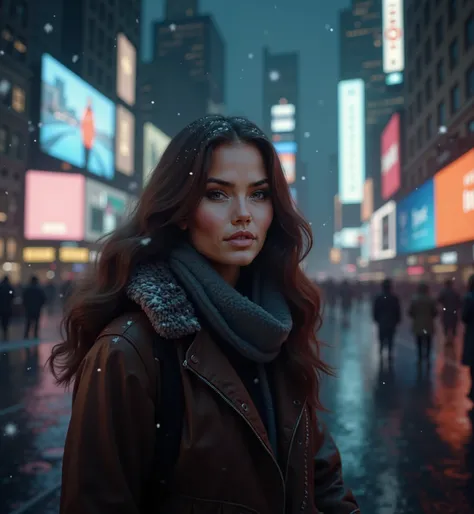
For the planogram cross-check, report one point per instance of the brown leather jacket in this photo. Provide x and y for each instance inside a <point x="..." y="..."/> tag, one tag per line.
<point x="225" y="465"/>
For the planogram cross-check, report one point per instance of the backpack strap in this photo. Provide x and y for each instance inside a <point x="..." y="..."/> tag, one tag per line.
<point x="169" y="412"/>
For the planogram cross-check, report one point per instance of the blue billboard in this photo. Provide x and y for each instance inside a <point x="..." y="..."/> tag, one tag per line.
<point x="416" y="220"/>
<point x="77" y="122"/>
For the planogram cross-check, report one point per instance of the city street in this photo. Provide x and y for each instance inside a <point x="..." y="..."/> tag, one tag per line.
<point x="404" y="432"/>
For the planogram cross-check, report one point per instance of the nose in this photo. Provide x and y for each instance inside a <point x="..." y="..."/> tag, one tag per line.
<point x="241" y="215"/>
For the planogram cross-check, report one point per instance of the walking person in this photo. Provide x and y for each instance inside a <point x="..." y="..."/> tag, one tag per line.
<point x="33" y="300"/>
<point x="347" y="296"/>
<point x="386" y="313"/>
<point x="423" y="312"/>
<point x="193" y="348"/>
<point x="7" y="295"/>
<point x="450" y="301"/>
<point x="467" y="317"/>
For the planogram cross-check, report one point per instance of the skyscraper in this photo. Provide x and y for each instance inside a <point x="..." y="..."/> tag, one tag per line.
<point x="178" y="9"/>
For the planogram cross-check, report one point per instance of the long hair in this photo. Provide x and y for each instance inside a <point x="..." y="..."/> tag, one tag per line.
<point x="174" y="191"/>
<point x="470" y="284"/>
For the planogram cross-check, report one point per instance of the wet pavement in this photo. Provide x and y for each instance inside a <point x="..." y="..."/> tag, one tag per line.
<point x="404" y="433"/>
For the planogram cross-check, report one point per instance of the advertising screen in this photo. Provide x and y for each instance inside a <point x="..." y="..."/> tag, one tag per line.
<point x="154" y="144"/>
<point x="351" y="128"/>
<point x="454" y="201"/>
<point x="393" y="36"/>
<point x="126" y="70"/>
<point x="125" y="141"/>
<point x="383" y="232"/>
<point x="106" y="208"/>
<point x="367" y="206"/>
<point x="286" y="151"/>
<point x="54" y="206"/>
<point x="283" y="118"/>
<point x="77" y="122"/>
<point x="391" y="158"/>
<point x="416" y="221"/>
<point x="348" y="237"/>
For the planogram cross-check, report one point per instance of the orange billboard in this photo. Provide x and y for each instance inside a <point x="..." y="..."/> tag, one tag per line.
<point x="454" y="201"/>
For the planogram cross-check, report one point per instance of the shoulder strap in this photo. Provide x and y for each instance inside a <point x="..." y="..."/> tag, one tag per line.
<point x="169" y="411"/>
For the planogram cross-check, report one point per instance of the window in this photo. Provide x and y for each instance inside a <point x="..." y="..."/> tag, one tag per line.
<point x="15" y="146"/>
<point x="439" y="32"/>
<point x="4" y="139"/>
<point x="418" y="67"/>
<point x="428" y="51"/>
<point x="469" y="32"/>
<point x="426" y="13"/>
<point x="470" y="82"/>
<point x="419" y="102"/>
<point x="452" y="11"/>
<point x="18" y="99"/>
<point x="440" y="73"/>
<point x="419" y="138"/>
<point x="441" y="114"/>
<point x="410" y="114"/>
<point x="410" y="81"/>
<point x="428" y="89"/>
<point x="455" y="96"/>
<point x="453" y="54"/>
<point x="100" y="76"/>
<point x="429" y="127"/>
<point x="90" y="67"/>
<point x="91" y="36"/>
<point x="417" y="33"/>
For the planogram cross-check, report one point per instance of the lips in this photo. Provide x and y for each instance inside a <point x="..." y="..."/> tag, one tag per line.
<point x="241" y="236"/>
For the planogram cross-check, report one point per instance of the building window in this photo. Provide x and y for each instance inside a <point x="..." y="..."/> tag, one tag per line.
<point x="429" y="127"/>
<point x="418" y="67"/>
<point x="470" y="126"/>
<point x="428" y="89"/>
<point x="470" y="82"/>
<point x="453" y="54"/>
<point x="417" y="33"/>
<point x="426" y="13"/>
<point x="102" y="12"/>
<point x="4" y="139"/>
<point x="428" y="51"/>
<point x="90" y="67"/>
<point x="410" y="114"/>
<point x="419" y="138"/>
<point x="452" y="11"/>
<point x="455" y="96"/>
<point x="469" y="32"/>
<point x="410" y="81"/>
<point x="441" y="114"/>
<point x="18" y="99"/>
<point x="15" y="146"/>
<point x="440" y="73"/>
<point x="439" y="32"/>
<point x="419" y="102"/>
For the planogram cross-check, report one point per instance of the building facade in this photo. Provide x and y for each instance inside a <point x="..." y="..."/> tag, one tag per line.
<point x="178" y="9"/>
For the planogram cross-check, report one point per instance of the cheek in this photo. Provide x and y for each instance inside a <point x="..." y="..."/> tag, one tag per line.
<point x="266" y="218"/>
<point x="208" y="219"/>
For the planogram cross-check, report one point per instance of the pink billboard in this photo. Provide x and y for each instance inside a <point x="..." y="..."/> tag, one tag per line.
<point x="391" y="158"/>
<point x="54" y="206"/>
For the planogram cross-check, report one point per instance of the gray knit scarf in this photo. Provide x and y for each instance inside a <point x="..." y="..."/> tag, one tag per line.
<point x="256" y="327"/>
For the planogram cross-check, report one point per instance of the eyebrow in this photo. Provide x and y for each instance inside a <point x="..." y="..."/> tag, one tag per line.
<point x="230" y="184"/>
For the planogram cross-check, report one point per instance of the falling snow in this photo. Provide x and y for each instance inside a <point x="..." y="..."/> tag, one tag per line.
<point x="10" y="429"/>
<point x="173" y="27"/>
<point x="75" y="58"/>
<point x="250" y="55"/>
<point x="307" y="134"/>
<point x="48" y="28"/>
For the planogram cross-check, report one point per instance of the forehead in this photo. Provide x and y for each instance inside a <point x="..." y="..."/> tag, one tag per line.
<point x="237" y="160"/>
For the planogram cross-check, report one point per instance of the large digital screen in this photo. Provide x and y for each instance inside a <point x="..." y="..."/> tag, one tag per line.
<point x="351" y="121"/>
<point x="416" y="220"/>
<point x="77" y="122"/>
<point x="391" y="157"/>
<point x="106" y="208"/>
<point x="125" y="141"/>
<point x="454" y="201"/>
<point x="54" y="206"/>
<point x="393" y="36"/>
<point x="286" y="151"/>
<point x="155" y="143"/>
<point x="126" y="70"/>
<point x="383" y="232"/>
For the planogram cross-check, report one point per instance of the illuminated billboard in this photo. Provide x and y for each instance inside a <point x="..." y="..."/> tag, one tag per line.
<point x="351" y="129"/>
<point x="416" y="220"/>
<point x="383" y="232"/>
<point x="365" y="241"/>
<point x="454" y="201"/>
<point x="367" y="206"/>
<point x="283" y="118"/>
<point x="393" y="36"/>
<point x="348" y="237"/>
<point x="286" y="151"/>
<point x="125" y="141"/>
<point x="126" y="70"/>
<point x="106" y="208"/>
<point x="391" y="157"/>
<point x="77" y="122"/>
<point x="54" y="206"/>
<point x="155" y="143"/>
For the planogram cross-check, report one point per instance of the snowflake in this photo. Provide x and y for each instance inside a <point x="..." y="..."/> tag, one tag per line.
<point x="307" y="134"/>
<point x="2" y="52"/>
<point x="303" y="178"/>
<point x="274" y="75"/>
<point x="173" y="27"/>
<point x="250" y="55"/>
<point x="75" y="58"/>
<point x="10" y="429"/>
<point x="145" y="241"/>
<point x="48" y="28"/>
<point x="4" y="87"/>
<point x="442" y="129"/>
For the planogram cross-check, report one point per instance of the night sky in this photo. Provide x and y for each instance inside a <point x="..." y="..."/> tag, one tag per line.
<point x="307" y="26"/>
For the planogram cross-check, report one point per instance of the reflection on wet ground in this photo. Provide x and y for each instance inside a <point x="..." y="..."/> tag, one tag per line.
<point x="404" y="431"/>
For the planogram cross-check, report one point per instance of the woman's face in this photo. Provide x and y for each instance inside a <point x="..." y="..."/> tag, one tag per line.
<point x="230" y="224"/>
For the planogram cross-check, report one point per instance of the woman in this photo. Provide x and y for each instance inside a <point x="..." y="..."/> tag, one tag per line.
<point x="208" y="265"/>
<point x="423" y="312"/>
<point x="468" y="320"/>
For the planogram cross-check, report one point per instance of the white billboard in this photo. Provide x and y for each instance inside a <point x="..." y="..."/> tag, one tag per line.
<point x="393" y="36"/>
<point x="348" y="237"/>
<point x="383" y="232"/>
<point x="283" y="118"/>
<point x="125" y="141"/>
<point x="155" y="143"/>
<point x="351" y="130"/>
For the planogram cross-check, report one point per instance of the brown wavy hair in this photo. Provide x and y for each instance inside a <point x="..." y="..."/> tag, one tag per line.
<point x="175" y="189"/>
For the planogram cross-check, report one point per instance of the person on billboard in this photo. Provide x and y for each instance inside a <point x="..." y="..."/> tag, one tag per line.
<point x="423" y="311"/>
<point x="467" y="317"/>
<point x="88" y="131"/>
<point x="450" y="302"/>
<point x="193" y="349"/>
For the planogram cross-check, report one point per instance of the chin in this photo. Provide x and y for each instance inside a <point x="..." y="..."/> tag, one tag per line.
<point x="242" y="258"/>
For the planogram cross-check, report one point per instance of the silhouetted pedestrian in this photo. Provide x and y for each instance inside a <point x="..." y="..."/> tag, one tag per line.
<point x="423" y="312"/>
<point x="468" y="320"/>
<point x="450" y="301"/>
<point x="386" y="314"/>
<point x="7" y="294"/>
<point x="33" y="300"/>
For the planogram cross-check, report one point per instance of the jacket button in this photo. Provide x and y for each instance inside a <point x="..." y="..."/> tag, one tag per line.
<point x="194" y="359"/>
<point x="245" y="407"/>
